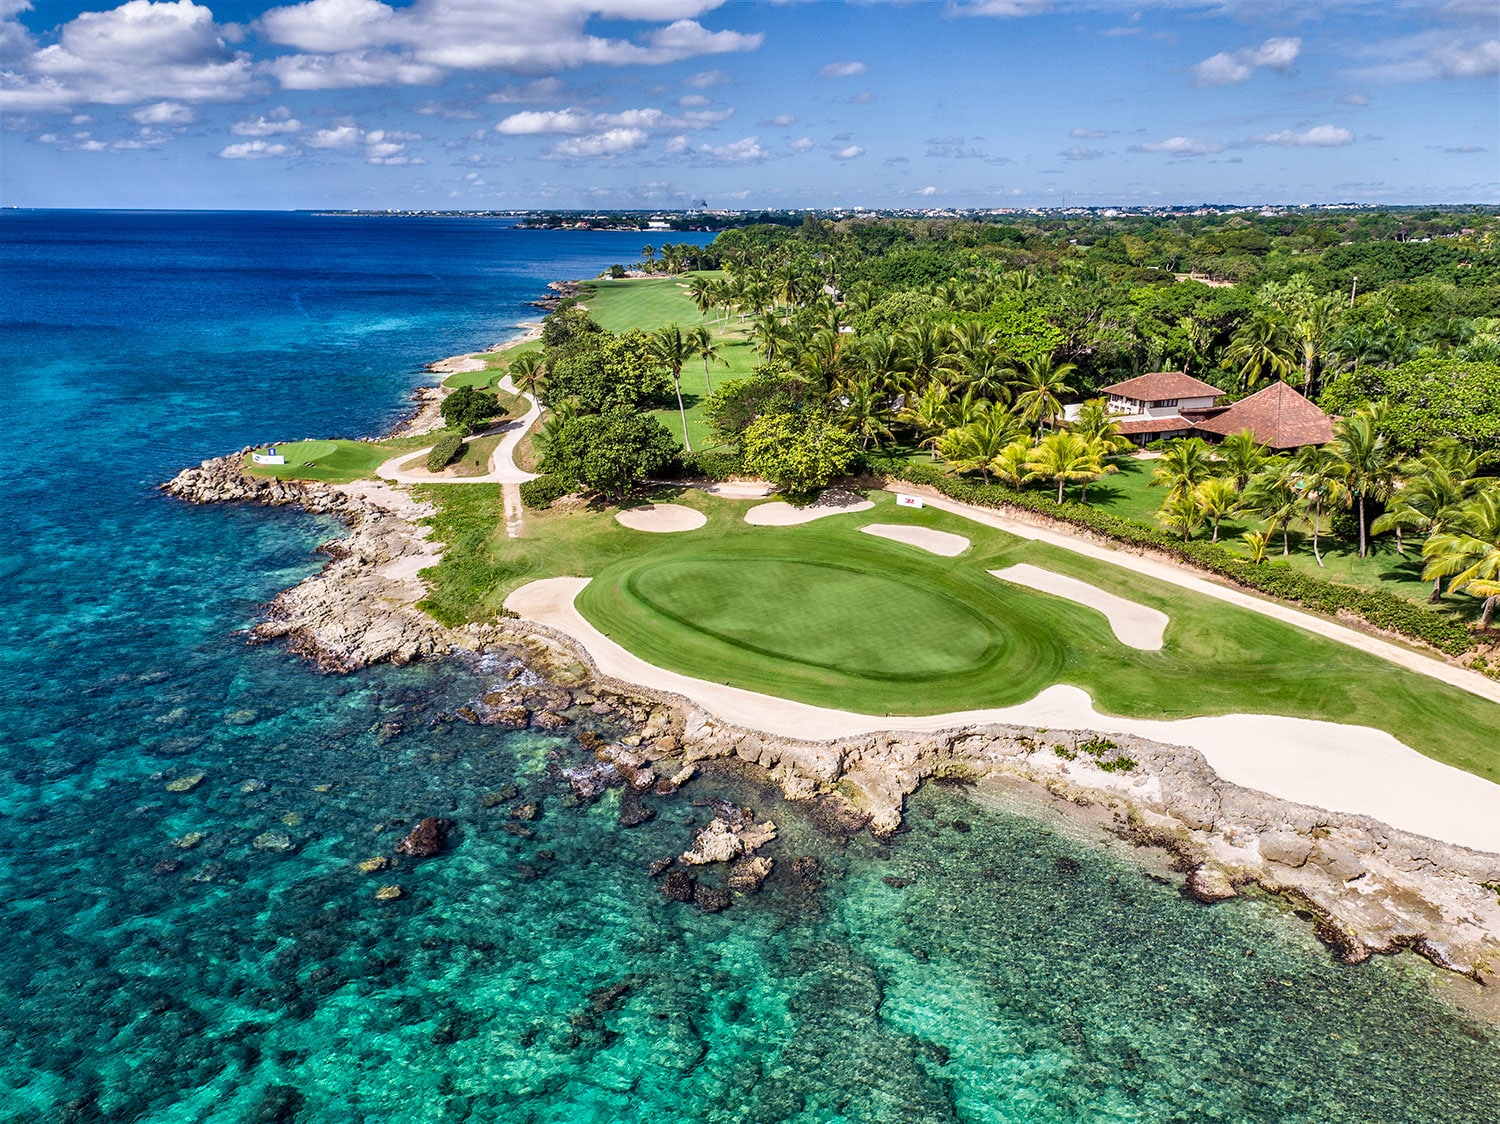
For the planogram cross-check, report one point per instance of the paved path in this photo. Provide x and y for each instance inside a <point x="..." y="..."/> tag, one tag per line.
<point x="1462" y="678"/>
<point x="503" y="468"/>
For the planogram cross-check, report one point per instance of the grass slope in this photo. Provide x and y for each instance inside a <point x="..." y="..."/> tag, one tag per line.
<point x="838" y="618"/>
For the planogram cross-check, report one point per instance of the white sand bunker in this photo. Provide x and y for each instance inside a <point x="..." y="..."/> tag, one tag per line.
<point x="923" y="538"/>
<point x="831" y="502"/>
<point x="1134" y="624"/>
<point x="661" y="518"/>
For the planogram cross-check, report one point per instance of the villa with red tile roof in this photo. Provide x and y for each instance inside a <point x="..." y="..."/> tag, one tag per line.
<point x="1168" y="404"/>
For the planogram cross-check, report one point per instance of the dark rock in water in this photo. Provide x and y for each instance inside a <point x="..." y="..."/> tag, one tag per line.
<point x="633" y="812"/>
<point x="810" y="870"/>
<point x="510" y="717"/>
<point x="710" y="899"/>
<point x="426" y="839"/>
<point x="678" y="886"/>
<point x="167" y="866"/>
<point x="528" y="811"/>
<point x="661" y="865"/>
<point x="466" y="713"/>
<point x="962" y="827"/>
<point x="896" y="882"/>
<point x="546" y="856"/>
<point x="279" y="1104"/>
<point x="508" y="792"/>
<point x="527" y="873"/>
<point x="519" y="829"/>
<point x="607" y="998"/>
<point x="747" y="875"/>
<point x="589" y="781"/>
<point x="455" y="1028"/>
<point x="1067" y="865"/>
<point x="838" y="820"/>
<point x="550" y="720"/>
<point x="1208" y="885"/>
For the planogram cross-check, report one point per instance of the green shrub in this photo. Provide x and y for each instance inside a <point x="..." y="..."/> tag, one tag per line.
<point x="711" y="465"/>
<point x="445" y="452"/>
<point x="538" y="494"/>
<point x="1377" y="607"/>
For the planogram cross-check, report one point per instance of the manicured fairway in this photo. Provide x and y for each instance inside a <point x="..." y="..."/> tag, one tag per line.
<point x="333" y="461"/>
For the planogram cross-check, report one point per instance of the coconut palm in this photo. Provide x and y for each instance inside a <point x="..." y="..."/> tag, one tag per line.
<point x="1469" y="554"/>
<point x="1369" y="463"/>
<point x="975" y="445"/>
<point x="1430" y="498"/>
<point x="1312" y="328"/>
<point x="1320" y="480"/>
<point x="927" y="413"/>
<point x="1261" y="350"/>
<point x="1095" y="423"/>
<point x="1273" y="495"/>
<point x="1217" y="498"/>
<point x="1241" y="456"/>
<point x="1010" y="465"/>
<point x="671" y="349"/>
<point x="703" y="345"/>
<point x="1256" y="543"/>
<point x="770" y="336"/>
<point x="866" y="411"/>
<point x="701" y="290"/>
<point x="1068" y="458"/>
<point x="1186" y="463"/>
<point x="1038" y="384"/>
<point x="527" y="371"/>
<point x="1181" y="513"/>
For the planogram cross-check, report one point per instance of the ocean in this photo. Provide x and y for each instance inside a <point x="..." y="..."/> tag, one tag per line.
<point x="989" y="964"/>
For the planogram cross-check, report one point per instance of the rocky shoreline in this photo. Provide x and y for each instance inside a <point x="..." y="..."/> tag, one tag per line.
<point x="1366" y="888"/>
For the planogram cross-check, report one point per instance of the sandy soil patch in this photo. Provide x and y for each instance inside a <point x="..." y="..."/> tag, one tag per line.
<point x="661" y="518"/>
<point x="457" y="365"/>
<point x="1134" y="624"/>
<point x="1353" y="769"/>
<point x="781" y="514"/>
<point x="923" y="538"/>
<point x="740" y="489"/>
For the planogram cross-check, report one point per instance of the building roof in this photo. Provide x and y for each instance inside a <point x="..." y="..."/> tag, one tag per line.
<point x="1279" y="417"/>
<point x="1171" y="424"/>
<point x="1161" y="385"/>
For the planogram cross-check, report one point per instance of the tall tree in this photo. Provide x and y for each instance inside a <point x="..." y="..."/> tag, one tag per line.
<point x="1186" y="463"/>
<point x="1038" y="384"/>
<point x="1241" y="457"/>
<point x="1469" y="555"/>
<point x="1369" y="464"/>
<point x="671" y="349"/>
<point x="526" y="372"/>
<point x="1067" y="458"/>
<point x="1261" y="350"/>
<point x="1217" y="498"/>
<point x="702" y="342"/>
<point x="1320" y="481"/>
<point x="1273" y="495"/>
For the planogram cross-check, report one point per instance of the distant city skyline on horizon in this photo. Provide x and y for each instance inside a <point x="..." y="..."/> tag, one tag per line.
<point x="448" y="105"/>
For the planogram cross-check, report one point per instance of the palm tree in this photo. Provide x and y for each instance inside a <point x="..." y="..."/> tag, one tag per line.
<point x="671" y="349"/>
<point x="1261" y="349"/>
<point x="1369" y="463"/>
<point x="701" y="340"/>
<point x="978" y="443"/>
<point x="1272" y="494"/>
<point x="1186" y="464"/>
<point x="1241" y="456"/>
<point x="1181" y="513"/>
<point x="866" y="411"/>
<point x="1256" y="543"/>
<point x="648" y="252"/>
<point x="1320" y="478"/>
<point x="1217" y="498"/>
<point x="701" y="290"/>
<point x="1469" y="554"/>
<point x="769" y="334"/>
<point x="1068" y="458"/>
<point x="927" y="413"/>
<point x="1095" y="423"/>
<point x="1010" y="465"/>
<point x="1312" y="329"/>
<point x="526" y="372"/>
<point x="1433" y="490"/>
<point x="1040" y="382"/>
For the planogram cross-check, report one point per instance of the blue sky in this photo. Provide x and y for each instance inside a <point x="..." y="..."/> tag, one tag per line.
<point x="658" y="103"/>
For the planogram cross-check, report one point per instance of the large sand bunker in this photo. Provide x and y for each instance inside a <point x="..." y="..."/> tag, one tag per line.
<point x="831" y="502"/>
<point x="923" y="538"/>
<point x="1133" y="623"/>
<point x="661" y="518"/>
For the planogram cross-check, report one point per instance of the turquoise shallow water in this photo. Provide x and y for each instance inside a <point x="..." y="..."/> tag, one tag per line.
<point x="1007" y="972"/>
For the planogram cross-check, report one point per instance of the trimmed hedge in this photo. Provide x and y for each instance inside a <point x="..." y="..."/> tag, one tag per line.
<point x="538" y="494"/>
<point x="1378" y="607"/>
<point x="444" y="452"/>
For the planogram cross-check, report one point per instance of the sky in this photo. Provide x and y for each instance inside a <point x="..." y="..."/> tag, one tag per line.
<point x="510" y="104"/>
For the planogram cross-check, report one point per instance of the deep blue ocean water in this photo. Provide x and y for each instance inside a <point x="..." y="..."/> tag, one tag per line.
<point x="1025" y="973"/>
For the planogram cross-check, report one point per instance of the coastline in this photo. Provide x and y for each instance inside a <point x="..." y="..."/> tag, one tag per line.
<point x="1367" y="888"/>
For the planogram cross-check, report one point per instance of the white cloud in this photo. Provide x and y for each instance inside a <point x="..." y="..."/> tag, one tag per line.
<point x="1355" y="99"/>
<point x="417" y="44"/>
<point x="706" y="78"/>
<point x="1479" y="61"/>
<point x="1005" y="9"/>
<point x="1076" y="153"/>
<point x="1180" y="146"/>
<point x="279" y="120"/>
<point x="574" y="121"/>
<point x="1088" y="134"/>
<point x="848" y="69"/>
<point x="256" y="150"/>
<point x="928" y="190"/>
<point x="692" y="101"/>
<point x="780" y="121"/>
<point x="164" y="113"/>
<point x="140" y="51"/>
<point x="747" y="150"/>
<point x="379" y="146"/>
<point x="612" y="142"/>
<point x="540" y="90"/>
<point x="801" y="144"/>
<point x="1319" y="136"/>
<point x="1225" y="69"/>
<point x="849" y="153"/>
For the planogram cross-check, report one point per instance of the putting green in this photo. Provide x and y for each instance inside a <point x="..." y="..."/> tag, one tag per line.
<point x="840" y="627"/>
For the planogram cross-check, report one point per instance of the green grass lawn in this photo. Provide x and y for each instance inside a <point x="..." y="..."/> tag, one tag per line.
<point x="826" y="615"/>
<point x="335" y="462"/>
<point x="649" y="303"/>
